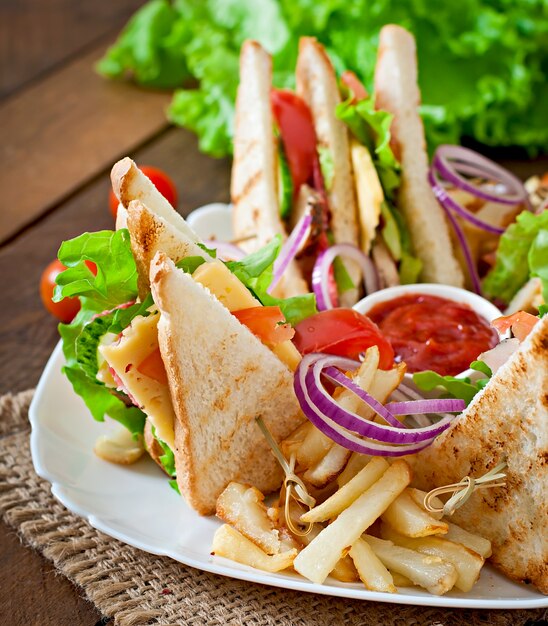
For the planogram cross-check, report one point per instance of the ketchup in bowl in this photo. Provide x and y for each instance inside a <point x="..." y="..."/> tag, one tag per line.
<point x="433" y="333"/>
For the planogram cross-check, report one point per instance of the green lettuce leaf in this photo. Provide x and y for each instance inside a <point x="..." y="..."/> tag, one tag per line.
<point x="522" y="254"/>
<point x="482" y="62"/>
<point x="115" y="283"/>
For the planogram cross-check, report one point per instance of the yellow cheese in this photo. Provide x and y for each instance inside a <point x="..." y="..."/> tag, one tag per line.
<point x="225" y="286"/>
<point x="369" y="193"/>
<point x="138" y="341"/>
<point x="230" y="290"/>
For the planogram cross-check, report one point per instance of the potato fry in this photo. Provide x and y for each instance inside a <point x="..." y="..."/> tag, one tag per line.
<point x="119" y="447"/>
<point x="384" y="383"/>
<point x="356" y="462"/>
<point x="231" y="544"/>
<point x="373" y="573"/>
<point x="345" y="571"/>
<point x="347" y="494"/>
<point x="320" y="556"/>
<point x="418" y="496"/>
<point x="400" y="580"/>
<point x="314" y="446"/>
<point x="432" y="573"/>
<point x="467" y="563"/>
<point x="469" y="540"/>
<point x="329" y="467"/>
<point x="242" y="507"/>
<point x="292" y="443"/>
<point x="406" y="517"/>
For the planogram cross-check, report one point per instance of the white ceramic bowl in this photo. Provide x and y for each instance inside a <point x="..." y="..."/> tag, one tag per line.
<point x="480" y="305"/>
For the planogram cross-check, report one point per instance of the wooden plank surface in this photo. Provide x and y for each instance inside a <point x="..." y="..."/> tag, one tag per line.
<point x="27" y="332"/>
<point x="38" y="35"/>
<point x="60" y="132"/>
<point x="33" y="594"/>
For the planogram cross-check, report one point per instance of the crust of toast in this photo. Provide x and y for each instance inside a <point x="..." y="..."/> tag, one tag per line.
<point x="317" y="85"/>
<point x="396" y="91"/>
<point x="507" y="421"/>
<point x="150" y="233"/>
<point x="221" y="377"/>
<point x="254" y="168"/>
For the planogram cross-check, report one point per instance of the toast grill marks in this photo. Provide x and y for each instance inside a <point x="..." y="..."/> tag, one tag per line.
<point x="507" y="421"/>
<point x="396" y="91"/>
<point x="221" y="377"/>
<point x="317" y="85"/>
<point x="254" y="169"/>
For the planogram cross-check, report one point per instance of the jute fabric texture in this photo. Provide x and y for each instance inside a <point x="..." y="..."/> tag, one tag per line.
<point x="137" y="589"/>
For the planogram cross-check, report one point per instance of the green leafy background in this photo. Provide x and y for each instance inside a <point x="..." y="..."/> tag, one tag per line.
<point x="482" y="63"/>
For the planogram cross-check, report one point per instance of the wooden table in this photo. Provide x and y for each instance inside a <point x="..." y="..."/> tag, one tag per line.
<point x="62" y="127"/>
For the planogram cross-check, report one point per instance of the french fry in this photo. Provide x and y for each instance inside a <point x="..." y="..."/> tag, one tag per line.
<point x="467" y="563"/>
<point x="329" y="467"/>
<point x="242" y="507"/>
<point x="383" y="384"/>
<point x="406" y="517"/>
<point x="372" y="572"/>
<point x="434" y="574"/>
<point x="119" y="447"/>
<point x="418" y="496"/>
<point x="469" y="540"/>
<point x="231" y="544"/>
<point x="288" y="541"/>
<point x="313" y="448"/>
<point x="292" y="443"/>
<point x="345" y="570"/>
<point x="347" y="494"/>
<point x="320" y="556"/>
<point x="356" y="462"/>
<point x="400" y="580"/>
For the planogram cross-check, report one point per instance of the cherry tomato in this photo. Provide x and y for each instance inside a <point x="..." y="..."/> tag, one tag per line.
<point x="343" y="332"/>
<point x="65" y="310"/>
<point x="160" y="180"/>
<point x="358" y="91"/>
<point x="297" y="131"/>
<point x="264" y="322"/>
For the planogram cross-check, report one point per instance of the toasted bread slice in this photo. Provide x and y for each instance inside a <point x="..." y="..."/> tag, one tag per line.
<point x="149" y="233"/>
<point x="254" y="183"/>
<point x="507" y="421"/>
<point x="396" y="91"/>
<point x="221" y="377"/>
<point x="317" y="85"/>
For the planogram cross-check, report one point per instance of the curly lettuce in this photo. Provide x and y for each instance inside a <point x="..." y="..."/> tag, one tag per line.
<point x="482" y="62"/>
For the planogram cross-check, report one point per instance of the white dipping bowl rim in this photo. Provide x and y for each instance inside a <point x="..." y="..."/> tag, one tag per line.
<point x="480" y="305"/>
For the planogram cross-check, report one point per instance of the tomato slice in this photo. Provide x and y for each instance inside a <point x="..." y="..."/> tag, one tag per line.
<point x="266" y="323"/>
<point x="521" y="324"/>
<point x="153" y="367"/>
<point x="343" y="332"/>
<point x="297" y="131"/>
<point x="355" y="85"/>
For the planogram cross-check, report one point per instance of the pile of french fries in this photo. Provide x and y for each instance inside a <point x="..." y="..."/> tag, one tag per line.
<point x="368" y="522"/>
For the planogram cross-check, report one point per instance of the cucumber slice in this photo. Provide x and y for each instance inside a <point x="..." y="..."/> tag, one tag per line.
<point x="285" y="184"/>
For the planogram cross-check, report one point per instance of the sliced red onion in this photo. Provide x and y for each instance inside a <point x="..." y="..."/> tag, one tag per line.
<point x="290" y="249"/>
<point x="435" y="405"/>
<point x="225" y="251"/>
<point x="452" y="161"/>
<point x="418" y="420"/>
<point x="320" y="273"/>
<point x="337" y="423"/>
<point x="473" y="272"/>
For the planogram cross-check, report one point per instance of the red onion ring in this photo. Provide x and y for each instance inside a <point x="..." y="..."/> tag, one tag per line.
<point x="324" y="412"/>
<point x="290" y="249"/>
<point x="225" y="251"/>
<point x="325" y="259"/>
<point x="451" y="161"/>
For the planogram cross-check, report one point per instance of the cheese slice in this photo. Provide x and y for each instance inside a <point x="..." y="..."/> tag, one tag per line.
<point x="230" y="290"/>
<point x="369" y="193"/>
<point x="139" y="341"/>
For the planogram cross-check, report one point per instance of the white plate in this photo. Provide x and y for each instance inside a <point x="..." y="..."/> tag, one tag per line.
<point x="136" y="505"/>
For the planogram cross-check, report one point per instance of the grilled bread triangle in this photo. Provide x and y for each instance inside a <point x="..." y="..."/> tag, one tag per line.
<point x="396" y="91"/>
<point x="506" y="421"/>
<point x="221" y="377"/>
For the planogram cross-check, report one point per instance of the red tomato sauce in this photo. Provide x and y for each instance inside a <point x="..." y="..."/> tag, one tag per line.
<point x="431" y="333"/>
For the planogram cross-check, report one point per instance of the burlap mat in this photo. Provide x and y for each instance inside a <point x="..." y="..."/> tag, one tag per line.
<point x="135" y="588"/>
